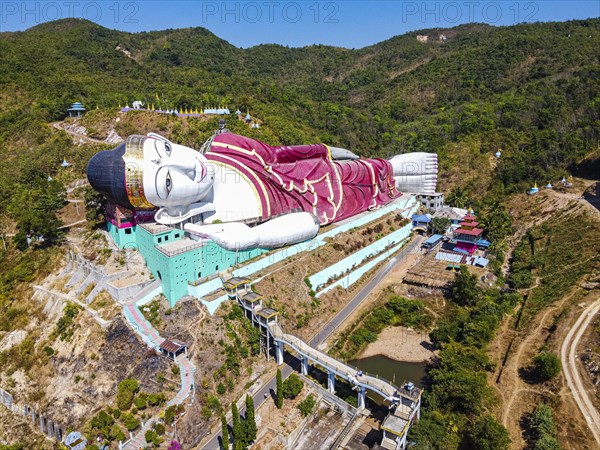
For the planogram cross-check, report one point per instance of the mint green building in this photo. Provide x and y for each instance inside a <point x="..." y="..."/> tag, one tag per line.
<point x="123" y="237"/>
<point x="175" y="259"/>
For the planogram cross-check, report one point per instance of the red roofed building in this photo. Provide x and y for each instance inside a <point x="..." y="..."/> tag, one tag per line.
<point x="467" y="235"/>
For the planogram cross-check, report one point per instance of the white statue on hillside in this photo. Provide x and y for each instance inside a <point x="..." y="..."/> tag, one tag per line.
<point x="242" y="193"/>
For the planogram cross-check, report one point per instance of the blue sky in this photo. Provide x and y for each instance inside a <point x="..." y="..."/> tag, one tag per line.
<point x="351" y="24"/>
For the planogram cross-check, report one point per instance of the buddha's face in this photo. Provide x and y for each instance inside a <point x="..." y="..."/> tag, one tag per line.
<point x="174" y="175"/>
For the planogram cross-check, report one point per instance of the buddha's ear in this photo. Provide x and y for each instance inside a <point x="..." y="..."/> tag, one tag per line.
<point x="158" y="136"/>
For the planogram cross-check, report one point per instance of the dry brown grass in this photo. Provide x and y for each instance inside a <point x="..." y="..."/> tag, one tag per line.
<point x="285" y="290"/>
<point x="549" y="321"/>
<point x="106" y="307"/>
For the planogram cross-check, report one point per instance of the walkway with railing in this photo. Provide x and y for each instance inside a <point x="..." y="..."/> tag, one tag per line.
<point x="382" y="387"/>
<point x="362" y="381"/>
<point x="153" y="339"/>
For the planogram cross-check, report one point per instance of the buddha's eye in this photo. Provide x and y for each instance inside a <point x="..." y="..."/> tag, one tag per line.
<point x="168" y="148"/>
<point x="168" y="182"/>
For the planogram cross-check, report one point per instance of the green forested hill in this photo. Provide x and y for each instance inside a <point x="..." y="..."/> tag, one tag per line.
<point x="531" y="90"/>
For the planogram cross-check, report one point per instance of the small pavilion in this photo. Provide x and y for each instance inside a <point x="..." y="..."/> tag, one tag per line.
<point x="76" y="110"/>
<point x="172" y="349"/>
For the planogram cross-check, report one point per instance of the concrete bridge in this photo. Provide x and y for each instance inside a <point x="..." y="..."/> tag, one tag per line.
<point x="405" y="402"/>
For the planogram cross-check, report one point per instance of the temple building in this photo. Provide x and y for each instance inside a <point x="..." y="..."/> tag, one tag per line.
<point x="122" y="223"/>
<point x="170" y="254"/>
<point x="533" y="190"/>
<point x="468" y="234"/>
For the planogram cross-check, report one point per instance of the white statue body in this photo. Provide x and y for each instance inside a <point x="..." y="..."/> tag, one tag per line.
<point x="285" y="192"/>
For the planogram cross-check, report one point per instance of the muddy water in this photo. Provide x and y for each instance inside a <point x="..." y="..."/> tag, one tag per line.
<point x="391" y="369"/>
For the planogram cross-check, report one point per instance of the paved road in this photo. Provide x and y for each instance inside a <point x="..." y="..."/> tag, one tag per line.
<point x="324" y="333"/>
<point x="568" y="360"/>
<point x="293" y="364"/>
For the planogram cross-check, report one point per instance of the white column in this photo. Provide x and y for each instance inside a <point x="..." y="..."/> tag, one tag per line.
<point x="268" y="349"/>
<point x="403" y="440"/>
<point x="279" y="352"/>
<point x="331" y="381"/>
<point x="362" y="393"/>
<point x="304" y="365"/>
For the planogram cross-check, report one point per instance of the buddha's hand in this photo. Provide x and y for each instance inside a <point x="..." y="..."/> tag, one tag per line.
<point x="285" y="230"/>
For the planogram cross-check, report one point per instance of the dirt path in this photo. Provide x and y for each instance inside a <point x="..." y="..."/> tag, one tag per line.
<point x="514" y="391"/>
<point x="562" y="200"/>
<point x="76" y="136"/>
<point x="511" y="370"/>
<point x="569" y="364"/>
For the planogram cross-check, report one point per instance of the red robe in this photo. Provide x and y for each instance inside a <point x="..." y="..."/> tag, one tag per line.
<point x="305" y="178"/>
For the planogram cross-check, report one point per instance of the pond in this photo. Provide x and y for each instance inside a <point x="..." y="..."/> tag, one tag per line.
<point x="391" y="370"/>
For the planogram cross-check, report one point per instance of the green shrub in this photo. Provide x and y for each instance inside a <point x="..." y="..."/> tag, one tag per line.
<point x="171" y="412"/>
<point x="307" y="405"/>
<point x="140" y="402"/>
<point x="292" y="386"/>
<point x="64" y="326"/>
<point x="102" y="422"/>
<point x="156" y="399"/>
<point x="126" y="392"/>
<point x="546" y="366"/>
<point x="152" y="438"/>
<point x="488" y="434"/>
<point x="542" y="429"/>
<point x="160" y="429"/>
<point x="129" y="421"/>
<point x="116" y="434"/>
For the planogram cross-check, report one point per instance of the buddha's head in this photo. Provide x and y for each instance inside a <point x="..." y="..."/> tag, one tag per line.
<point x="146" y="172"/>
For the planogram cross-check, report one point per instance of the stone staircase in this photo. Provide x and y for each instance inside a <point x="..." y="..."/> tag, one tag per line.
<point x="140" y="325"/>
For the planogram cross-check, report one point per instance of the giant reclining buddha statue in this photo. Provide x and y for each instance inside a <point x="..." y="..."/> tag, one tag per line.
<point x="242" y="193"/>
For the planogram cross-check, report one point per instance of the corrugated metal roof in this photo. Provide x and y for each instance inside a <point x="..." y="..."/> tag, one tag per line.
<point x="481" y="261"/>
<point x="172" y="346"/>
<point x="451" y="257"/>
<point x="421" y="218"/>
<point x="450" y="213"/>
<point x="433" y="239"/>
